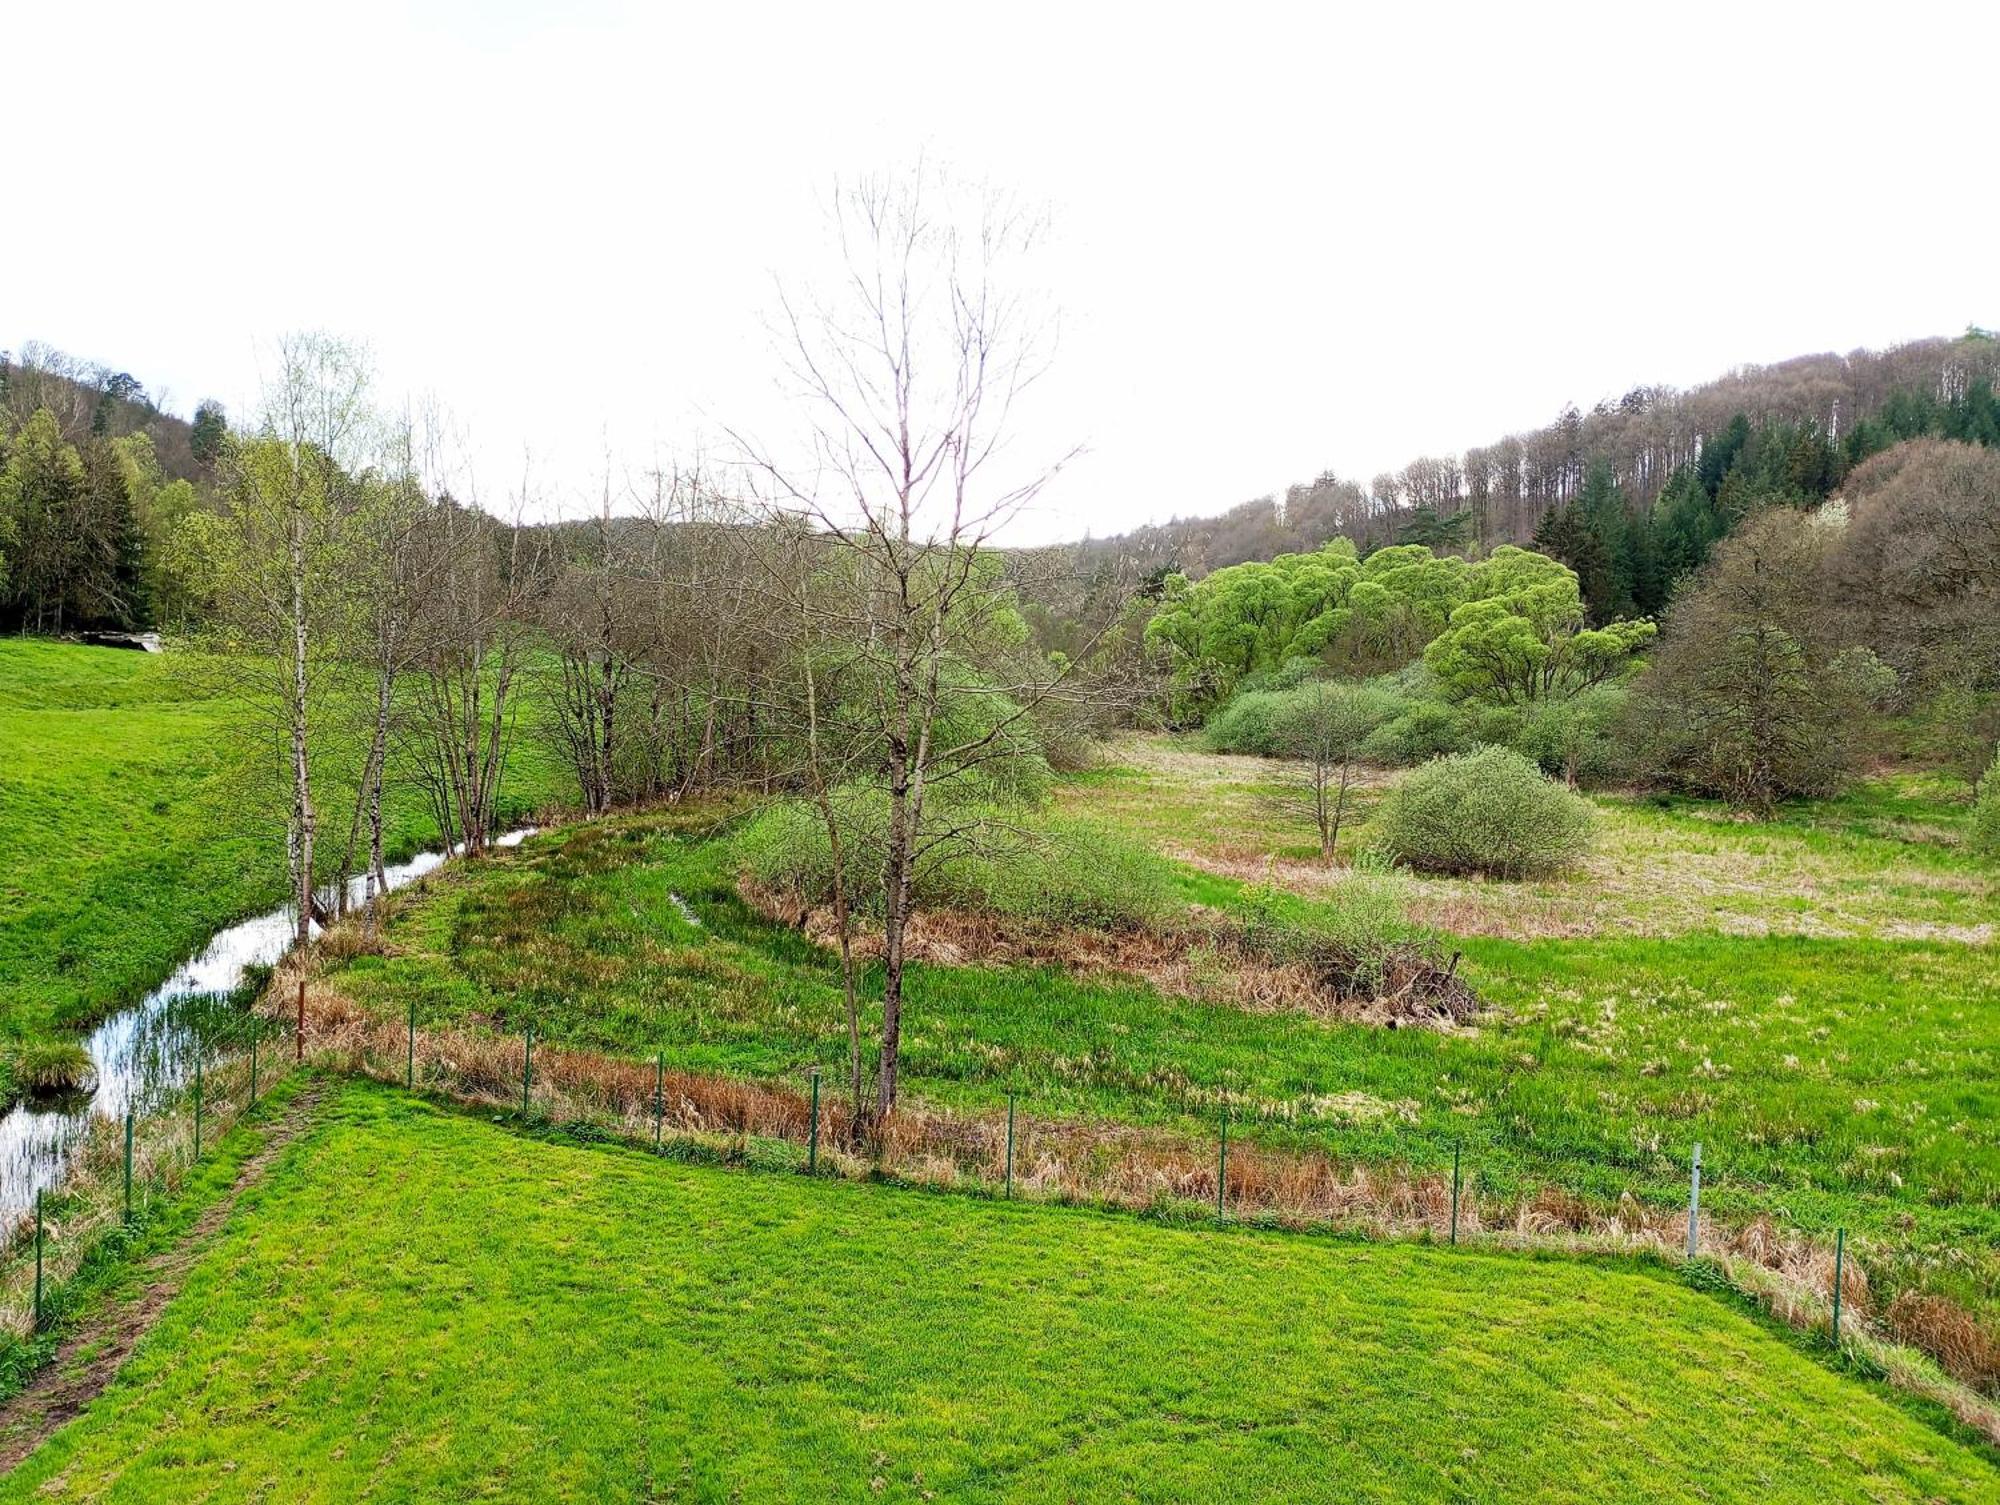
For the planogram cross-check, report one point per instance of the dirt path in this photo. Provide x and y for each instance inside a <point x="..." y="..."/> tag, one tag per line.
<point x="97" y="1350"/>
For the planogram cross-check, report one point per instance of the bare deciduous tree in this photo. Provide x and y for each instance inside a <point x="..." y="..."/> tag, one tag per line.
<point x="484" y="578"/>
<point x="912" y="367"/>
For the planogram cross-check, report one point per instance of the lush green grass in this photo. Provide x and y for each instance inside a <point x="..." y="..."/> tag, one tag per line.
<point x="128" y="828"/>
<point x="1831" y="1083"/>
<point x="417" y="1305"/>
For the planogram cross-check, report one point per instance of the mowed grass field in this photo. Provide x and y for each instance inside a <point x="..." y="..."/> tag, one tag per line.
<point x="418" y="1305"/>
<point x="131" y="828"/>
<point x="1831" y="1083"/>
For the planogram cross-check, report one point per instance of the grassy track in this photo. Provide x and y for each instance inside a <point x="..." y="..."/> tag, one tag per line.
<point x="416" y="1305"/>
<point x="126" y="837"/>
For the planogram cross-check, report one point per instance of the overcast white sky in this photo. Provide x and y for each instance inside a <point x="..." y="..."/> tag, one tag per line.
<point x="1287" y="239"/>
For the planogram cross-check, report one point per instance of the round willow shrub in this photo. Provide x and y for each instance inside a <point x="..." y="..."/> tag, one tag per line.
<point x="1986" y="812"/>
<point x="1489" y="811"/>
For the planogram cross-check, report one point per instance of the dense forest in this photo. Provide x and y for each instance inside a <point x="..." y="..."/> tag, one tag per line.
<point x="97" y="484"/>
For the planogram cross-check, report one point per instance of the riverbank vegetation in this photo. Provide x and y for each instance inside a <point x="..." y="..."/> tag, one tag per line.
<point x="134" y="830"/>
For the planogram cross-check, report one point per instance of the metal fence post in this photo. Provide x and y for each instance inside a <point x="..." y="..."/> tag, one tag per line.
<point x="1694" y="1202"/>
<point x="1839" y="1258"/>
<point x="1222" y="1171"/>
<point x="1010" y="1146"/>
<point x="128" y="1164"/>
<point x="527" y="1067"/>
<point x="1454" y="1193"/>
<point x="197" y="1099"/>
<point x="410" y="1058"/>
<point x="659" y="1098"/>
<point x="253" y="1067"/>
<point x="38" y="1259"/>
<point x="812" y="1141"/>
<point x="299" y="1033"/>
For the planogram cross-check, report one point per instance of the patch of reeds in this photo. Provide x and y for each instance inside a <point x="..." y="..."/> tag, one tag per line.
<point x="49" y="1068"/>
<point x="1209" y="959"/>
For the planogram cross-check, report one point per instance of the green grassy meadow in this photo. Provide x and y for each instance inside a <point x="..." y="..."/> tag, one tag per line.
<point x="1830" y="1082"/>
<point x="419" y="1305"/>
<point x="126" y="839"/>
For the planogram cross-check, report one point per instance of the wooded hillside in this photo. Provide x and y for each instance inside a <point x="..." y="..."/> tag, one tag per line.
<point x="1801" y="424"/>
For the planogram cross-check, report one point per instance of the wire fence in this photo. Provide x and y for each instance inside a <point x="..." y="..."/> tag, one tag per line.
<point x="1014" y="1153"/>
<point x="123" y="1169"/>
<point x="1008" y="1154"/>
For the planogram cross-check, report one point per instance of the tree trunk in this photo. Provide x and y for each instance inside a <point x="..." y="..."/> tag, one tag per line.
<point x="301" y="758"/>
<point x="896" y="899"/>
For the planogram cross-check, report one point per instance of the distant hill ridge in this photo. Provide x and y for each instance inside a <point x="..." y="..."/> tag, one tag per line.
<point x="1502" y="492"/>
<point x="91" y="399"/>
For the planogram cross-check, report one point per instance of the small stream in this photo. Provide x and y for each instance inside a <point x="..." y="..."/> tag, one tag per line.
<point x="144" y="1054"/>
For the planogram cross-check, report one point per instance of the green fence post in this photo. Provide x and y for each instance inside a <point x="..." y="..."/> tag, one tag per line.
<point x="1839" y="1257"/>
<point x="38" y="1259"/>
<point x="527" y="1067"/>
<point x="1222" y="1171"/>
<point x="1454" y="1194"/>
<point x="197" y="1099"/>
<point x="659" y="1099"/>
<point x="410" y="1058"/>
<point x="1694" y="1201"/>
<point x="812" y="1141"/>
<point x="253" y="1067"/>
<point x="128" y="1165"/>
<point x="1010" y="1146"/>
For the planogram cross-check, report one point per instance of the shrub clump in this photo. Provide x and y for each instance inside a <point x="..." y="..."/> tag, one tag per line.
<point x="1428" y="729"/>
<point x="1986" y="812"/>
<point x="994" y="859"/>
<point x="1487" y="811"/>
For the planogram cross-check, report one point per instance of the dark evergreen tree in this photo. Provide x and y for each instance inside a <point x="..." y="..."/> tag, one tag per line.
<point x="1606" y="568"/>
<point x="1566" y="533"/>
<point x="1720" y="453"/>
<point x="210" y="428"/>
<point x="1442" y="535"/>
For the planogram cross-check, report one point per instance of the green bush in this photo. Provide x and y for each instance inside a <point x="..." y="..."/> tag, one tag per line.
<point x="1573" y="739"/>
<point x="1272" y="723"/>
<point x="1068" y="872"/>
<point x="1253" y="722"/>
<point x="1001" y="861"/>
<point x="1489" y="811"/>
<point x="1986" y="812"/>
<point x="1428" y="729"/>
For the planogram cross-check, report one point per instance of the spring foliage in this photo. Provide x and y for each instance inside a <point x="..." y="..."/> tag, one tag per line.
<point x="1509" y="628"/>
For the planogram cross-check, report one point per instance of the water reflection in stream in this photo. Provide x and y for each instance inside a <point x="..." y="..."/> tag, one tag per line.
<point x="143" y="1054"/>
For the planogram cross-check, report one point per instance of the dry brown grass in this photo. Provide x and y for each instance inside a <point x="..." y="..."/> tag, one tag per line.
<point x="1210" y="962"/>
<point x="1948" y="1333"/>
